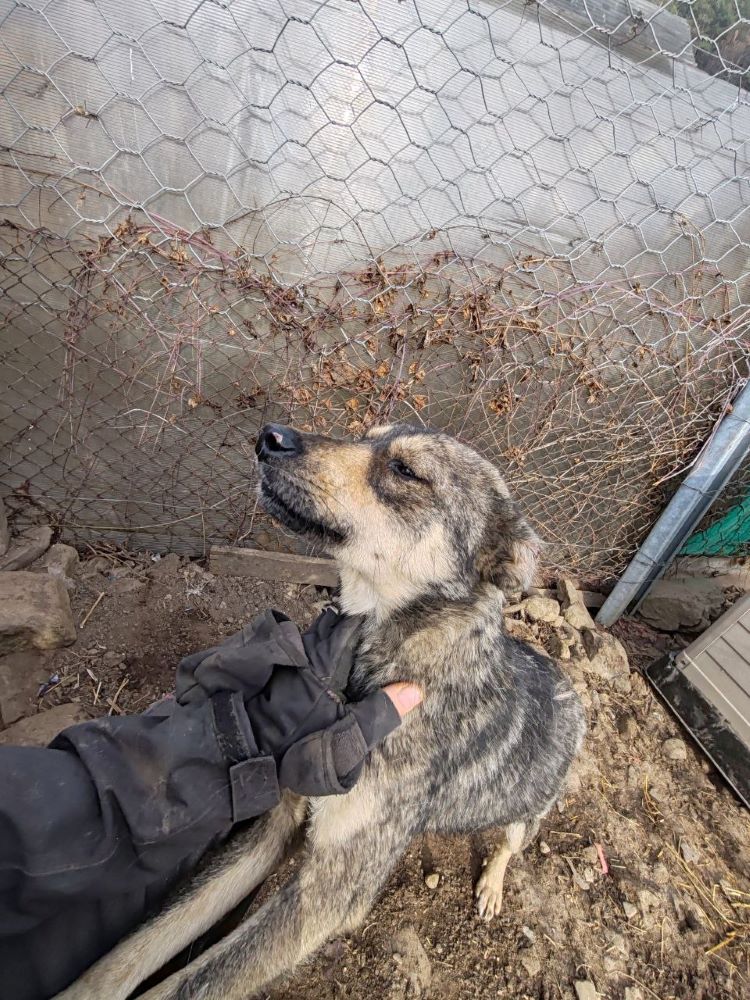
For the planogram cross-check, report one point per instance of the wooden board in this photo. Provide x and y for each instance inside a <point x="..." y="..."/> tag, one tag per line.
<point x="282" y="566"/>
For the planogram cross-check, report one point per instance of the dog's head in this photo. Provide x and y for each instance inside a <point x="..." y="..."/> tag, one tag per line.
<point x="405" y="509"/>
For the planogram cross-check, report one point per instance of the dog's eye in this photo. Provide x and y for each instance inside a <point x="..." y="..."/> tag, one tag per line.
<point x="402" y="469"/>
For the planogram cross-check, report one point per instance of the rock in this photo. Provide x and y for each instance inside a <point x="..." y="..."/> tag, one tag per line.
<point x="4" y="530"/>
<point x="567" y="593"/>
<point x="606" y="655"/>
<point x="683" y="603"/>
<point x="633" y="993"/>
<point x="541" y="609"/>
<point x="34" y="611"/>
<point x="627" y="727"/>
<point x="41" y="729"/>
<point x="630" y="910"/>
<point x="27" y="547"/>
<point x="658" y="793"/>
<point x="591" y="855"/>
<point x="618" y="944"/>
<point x="689" y="853"/>
<point x="432" y="881"/>
<point x="660" y="874"/>
<point x="577" y="616"/>
<point x="60" y="560"/>
<point x="674" y="749"/>
<point x="622" y="683"/>
<point x="585" y="990"/>
<point x="559" y="646"/>
<point x="21" y="675"/>
<point x="528" y="933"/>
<point x="168" y="565"/>
<point x="126" y="585"/>
<point x="112" y="659"/>
<point x="544" y="847"/>
<point x="415" y="964"/>
<point x="93" y="566"/>
<point x="648" y="901"/>
<point x="531" y="964"/>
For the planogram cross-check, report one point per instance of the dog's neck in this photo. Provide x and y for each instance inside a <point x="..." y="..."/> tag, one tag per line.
<point x="363" y="594"/>
<point x="379" y="598"/>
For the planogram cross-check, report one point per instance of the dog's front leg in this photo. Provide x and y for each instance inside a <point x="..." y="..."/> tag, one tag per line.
<point x="334" y="890"/>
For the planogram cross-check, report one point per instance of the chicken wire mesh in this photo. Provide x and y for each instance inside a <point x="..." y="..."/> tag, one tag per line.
<point x="526" y="223"/>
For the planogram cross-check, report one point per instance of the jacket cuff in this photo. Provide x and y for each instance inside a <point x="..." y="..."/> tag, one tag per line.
<point x="253" y="779"/>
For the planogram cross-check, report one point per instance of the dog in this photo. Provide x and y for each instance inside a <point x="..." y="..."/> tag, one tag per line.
<point x="428" y="543"/>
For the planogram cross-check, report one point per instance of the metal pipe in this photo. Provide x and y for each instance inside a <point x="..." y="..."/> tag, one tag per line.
<point x="712" y="470"/>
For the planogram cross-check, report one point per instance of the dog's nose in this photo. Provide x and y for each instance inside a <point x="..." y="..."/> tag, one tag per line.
<point x="277" y="441"/>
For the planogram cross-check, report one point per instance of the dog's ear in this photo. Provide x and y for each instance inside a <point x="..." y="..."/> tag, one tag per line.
<point x="509" y="550"/>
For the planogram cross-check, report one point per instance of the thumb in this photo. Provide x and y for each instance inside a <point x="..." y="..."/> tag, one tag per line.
<point x="405" y="697"/>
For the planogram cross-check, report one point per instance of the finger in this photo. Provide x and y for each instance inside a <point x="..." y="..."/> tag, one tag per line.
<point x="405" y="697"/>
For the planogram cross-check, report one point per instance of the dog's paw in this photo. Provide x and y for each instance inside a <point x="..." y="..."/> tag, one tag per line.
<point x="489" y="897"/>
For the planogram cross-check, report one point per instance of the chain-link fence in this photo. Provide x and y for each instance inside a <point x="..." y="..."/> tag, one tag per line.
<point x="724" y="533"/>
<point x="528" y="223"/>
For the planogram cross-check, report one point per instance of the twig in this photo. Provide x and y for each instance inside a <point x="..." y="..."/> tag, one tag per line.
<point x="92" y="609"/>
<point x="112" y="702"/>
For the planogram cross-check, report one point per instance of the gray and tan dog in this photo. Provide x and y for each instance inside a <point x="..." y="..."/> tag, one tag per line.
<point x="427" y="540"/>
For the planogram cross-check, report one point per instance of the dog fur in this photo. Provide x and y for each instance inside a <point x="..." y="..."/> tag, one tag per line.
<point x="428" y="542"/>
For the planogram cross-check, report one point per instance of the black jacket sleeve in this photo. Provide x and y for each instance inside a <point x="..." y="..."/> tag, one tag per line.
<point x="111" y="804"/>
<point x="115" y="804"/>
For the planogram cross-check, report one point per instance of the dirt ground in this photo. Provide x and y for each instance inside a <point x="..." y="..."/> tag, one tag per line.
<point x="668" y="919"/>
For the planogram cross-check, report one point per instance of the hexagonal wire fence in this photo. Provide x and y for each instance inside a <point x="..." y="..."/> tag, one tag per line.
<point x="527" y="223"/>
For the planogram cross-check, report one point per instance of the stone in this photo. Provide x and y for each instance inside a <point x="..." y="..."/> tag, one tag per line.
<point x="415" y="963"/>
<point x="689" y="853"/>
<point x="606" y="655"/>
<point x="4" y="530"/>
<point x="541" y="609"/>
<point x="113" y="659"/>
<point x="568" y="594"/>
<point x="168" y="565"/>
<point x="93" y="566"/>
<point x="622" y="683"/>
<point x="648" y="901"/>
<point x="630" y="910"/>
<point x="26" y="548"/>
<point x="60" y="560"/>
<point x="21" y="675"/>
<point x="559" y="646"/>
<point x="577" y="616"/>
<point x="39" y="730"/>
<point x="432" y="881"/>
<point x="585" y="990"/>
<point x="674" y="749"/>
<point x="126" y="585"/>
<point x="531" y="964"/>
<point x="544" y="847"/>
<point x="618" y="944"/>
<point x="683" y="604"/>
<point x="633" y="993"/>
<point x="34" y="611"/>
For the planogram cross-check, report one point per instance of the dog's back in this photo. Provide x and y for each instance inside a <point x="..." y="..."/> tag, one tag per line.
<point x="428" y="542"/>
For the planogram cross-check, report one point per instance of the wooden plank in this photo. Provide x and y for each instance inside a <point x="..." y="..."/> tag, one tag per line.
<point x="285" y="567"/>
